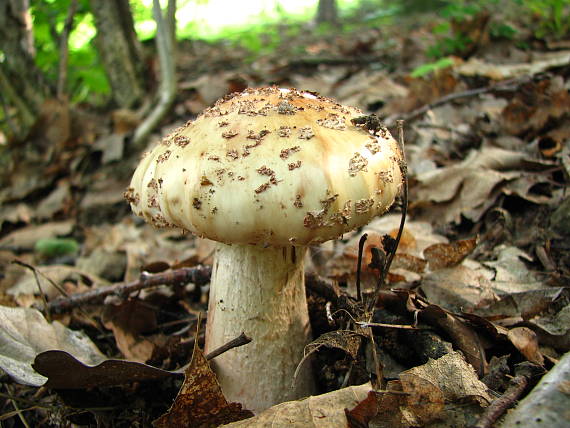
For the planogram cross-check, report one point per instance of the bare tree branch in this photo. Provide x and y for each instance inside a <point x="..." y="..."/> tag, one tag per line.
<point x="167" y="88"/>
<point x="64" y="49"/>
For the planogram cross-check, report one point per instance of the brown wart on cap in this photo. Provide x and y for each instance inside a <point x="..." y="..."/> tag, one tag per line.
<point x="297" y="171"/>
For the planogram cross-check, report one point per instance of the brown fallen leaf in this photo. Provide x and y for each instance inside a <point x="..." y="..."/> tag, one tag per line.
<point x="64" y="371"/>
<point x="449" y="254"/>
<point x="319" y="411"/>
<point x="458" y="288"/>
<point x="362" y="414"/>
<point x="410" y="401"/>
<point x="454" y="377"/>
<point x="537" y="104"/>
<point x="525" y="340"/>
<point x="462" y="336"/>
<point x="470" y="188"/>
<point x="128" y="321"/>
<point x="200" y="402"/>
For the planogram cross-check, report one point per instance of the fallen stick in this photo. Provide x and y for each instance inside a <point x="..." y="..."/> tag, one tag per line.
<point x="198" y="275"/>
<point x="506" y="86"/>
<point x="498" y="407"/>
<point x="548" y="403"/>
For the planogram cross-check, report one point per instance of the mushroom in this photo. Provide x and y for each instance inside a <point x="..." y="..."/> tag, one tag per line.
<point x="266" y="173"/>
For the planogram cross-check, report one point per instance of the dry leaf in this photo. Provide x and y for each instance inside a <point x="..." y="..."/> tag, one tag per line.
<point x="64" y="371"/>
<point x="61" y="275"/>
<point x="470" y="187"/>
<point x="455" y="378"/>
<point x="363" y="413"/>
<point x="200" y="402"/>
<point x="542" y="62"/>
<point x="458" y="288"/>
<point x="128" y="321"/>
<point x="448" y="255"/>
<point x="462" y="336"/>
<point x="25" y="333"/>
<point x="28" y="236"/>
<point x="525" y="340"/>
<point x="419" y="402"/>
<point x="320" y="411"/>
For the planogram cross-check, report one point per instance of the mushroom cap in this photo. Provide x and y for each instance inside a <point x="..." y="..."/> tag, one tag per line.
<point x="269" y="166"/>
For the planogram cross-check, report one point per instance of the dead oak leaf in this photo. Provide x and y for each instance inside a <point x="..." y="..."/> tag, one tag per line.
<point x="200" y="402"/>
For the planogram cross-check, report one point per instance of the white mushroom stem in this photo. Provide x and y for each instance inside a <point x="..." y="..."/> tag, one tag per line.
<point x="259" y="291"/>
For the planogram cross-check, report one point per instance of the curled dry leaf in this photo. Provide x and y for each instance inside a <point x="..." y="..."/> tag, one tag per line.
<point x="463" y="337"/>
<point x="320" y="411"/>
<point x="454" y="377"/>
<point x="200" y="402"/>
<point x="66" y="372"/>
<point x="470" y="187"/>
<point x="525" y="340"/>
<point x="553" y="330"/>
<point x="25" y="333"/>
<point x="345" y="340"/>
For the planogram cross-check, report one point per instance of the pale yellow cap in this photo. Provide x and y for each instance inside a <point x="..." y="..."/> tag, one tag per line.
<point x="269" y="166"/>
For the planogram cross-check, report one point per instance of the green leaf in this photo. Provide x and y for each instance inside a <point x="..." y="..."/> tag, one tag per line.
<point x="430" y="67"/>
<point x="53" y="247"/>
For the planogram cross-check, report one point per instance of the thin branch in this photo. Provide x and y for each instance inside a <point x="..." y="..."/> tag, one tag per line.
<point x="361" y="243"/>
<point x="64" y="49"/>
<point x="498" y="407"/>
<point x="198" y="275"/>
<point x="506" y="86"/>
<point x="394" y="247"/>
<point x="241" y="340"/>
<point x="17" y="409"/>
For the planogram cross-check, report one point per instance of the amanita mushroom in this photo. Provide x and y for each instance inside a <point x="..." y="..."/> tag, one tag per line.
<point x="266" y="173"/>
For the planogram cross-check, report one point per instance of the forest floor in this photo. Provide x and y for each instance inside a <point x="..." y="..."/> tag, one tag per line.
<point x="482" y="270"/>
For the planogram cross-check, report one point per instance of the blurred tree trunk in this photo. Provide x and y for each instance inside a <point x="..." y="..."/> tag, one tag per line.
<point x="327" y="12"/>
<point x="120" y="50"/>
<point x="23" y="86"/>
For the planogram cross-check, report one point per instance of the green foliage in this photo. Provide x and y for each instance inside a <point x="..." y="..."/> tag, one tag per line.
<point x="54" y="247"/>
<point x="453" y="42"/>
<point x="430" y="67"/>
<point x="502" y="31"/>
<point x="553" y="15"/>
<point x="86" y="76"/>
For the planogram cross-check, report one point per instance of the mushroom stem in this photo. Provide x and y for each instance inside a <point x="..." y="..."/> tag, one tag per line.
<point x="259" y="291"/>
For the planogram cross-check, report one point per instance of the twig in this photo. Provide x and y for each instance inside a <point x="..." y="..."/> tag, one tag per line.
<point x="241" y="340"/>
<point x="361" y="242"/>
<point x="17" y="408"/>
<point x="509" y="85"/>
<point x="64" y="49"/>
<point x="199" y="275"/>
<point x="316" y="61"/>
<point x="394" y="247"/>
<point x="498" y="407"/>
<point x="39" y="284"/>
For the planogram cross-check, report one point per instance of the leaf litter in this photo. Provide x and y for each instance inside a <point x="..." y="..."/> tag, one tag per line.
<point x="480" y="276"/>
